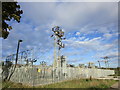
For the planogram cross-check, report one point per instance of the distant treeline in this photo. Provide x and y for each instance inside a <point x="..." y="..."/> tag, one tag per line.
<point x="117" y="71"/>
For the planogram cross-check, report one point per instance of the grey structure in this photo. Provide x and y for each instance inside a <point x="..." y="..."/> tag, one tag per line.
<point x="48" y="74"/>
<point x="31" y="76"/>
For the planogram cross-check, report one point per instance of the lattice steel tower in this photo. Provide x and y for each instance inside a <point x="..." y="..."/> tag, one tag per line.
<point x="58" y="37"/>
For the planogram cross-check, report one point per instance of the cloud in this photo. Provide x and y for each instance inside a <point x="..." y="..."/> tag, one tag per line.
<point x="86" y="17"/>
<point x="86" y="43"/>
<point x="95" y="45"/>
<point x="78" y="33"/>
<point x="107" y="35"/>
<point x="31" y="38"/>
<point x="89" y="27"/>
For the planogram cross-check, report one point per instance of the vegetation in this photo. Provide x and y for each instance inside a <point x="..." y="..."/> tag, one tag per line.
<point x="9" y="84"/>
<point x="84" y="83"/>
<point x="117" y="71"/>
<point x="80" y="83"/>
<point x="10" y="11"/>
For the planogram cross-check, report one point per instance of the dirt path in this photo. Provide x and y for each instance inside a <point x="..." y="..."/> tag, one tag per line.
<point x="116" y="86"/>
<point x="110" y="77"/>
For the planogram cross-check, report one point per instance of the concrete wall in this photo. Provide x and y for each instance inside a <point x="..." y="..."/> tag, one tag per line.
<point x="30" y="75"/>
<point x="87" y="72"/>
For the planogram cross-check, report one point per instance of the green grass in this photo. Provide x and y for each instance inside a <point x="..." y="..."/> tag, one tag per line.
<point x="13" y="85"/>
<point x="81" y="83"/>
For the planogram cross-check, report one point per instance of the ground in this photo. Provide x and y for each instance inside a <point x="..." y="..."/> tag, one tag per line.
<point x="81" y="83"/>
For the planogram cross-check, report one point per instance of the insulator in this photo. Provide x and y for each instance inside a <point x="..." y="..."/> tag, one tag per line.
<point x="57" y="28"/>
<point x="60" y="43"/>
<point x="58" y="40"/>
<point x="53" y="29"/>
<point x="56" y="32"/>
<point x="51" y="35"/>
<point x="34" y="60"/>
<point x="59" y="48"/>
<point x="63" y="45"/>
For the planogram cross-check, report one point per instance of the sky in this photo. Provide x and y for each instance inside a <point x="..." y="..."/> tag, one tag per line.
<point x="91" y="31"/>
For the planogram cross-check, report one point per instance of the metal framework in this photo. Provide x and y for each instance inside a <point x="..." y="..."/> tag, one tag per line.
<point x="58" y="37"/>
<point x="24" y="56"/>
<point x="106" y="63"/>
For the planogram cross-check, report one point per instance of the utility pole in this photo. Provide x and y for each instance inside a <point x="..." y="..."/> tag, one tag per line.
<point x="58" y="37"/>
<point x="106" y="61"/>
<point x="99" y="64"/>
<point x="55" y="60"/>
<point x="105" y="64"/>
<point x="58" y="34"/>
<point x="108" y="64"/>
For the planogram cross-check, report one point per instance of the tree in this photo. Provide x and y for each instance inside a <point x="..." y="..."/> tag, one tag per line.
<point x="10" y="11"/>
<point x="6" y="66"/>
<point x="106" y="57"/>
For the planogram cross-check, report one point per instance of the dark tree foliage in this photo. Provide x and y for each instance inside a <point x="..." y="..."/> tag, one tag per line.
<point x="106" y="57"/>
<point x="10" y="11"/>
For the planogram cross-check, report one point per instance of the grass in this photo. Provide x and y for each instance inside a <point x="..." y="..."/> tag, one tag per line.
<point x="117" y="72"/>
<point x="13" y="85"/>
<point x="81" y="83"/>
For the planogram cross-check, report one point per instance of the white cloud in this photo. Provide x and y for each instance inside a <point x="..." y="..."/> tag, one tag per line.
<point x="78" y="33"/>
<point x="107" y="35"/>
<point x="31" y="38"/>
<point x="86" y="39"/>
<point x="86" y="17"/>
<point x="81" y="38"/>
<point x="95" y="44"/>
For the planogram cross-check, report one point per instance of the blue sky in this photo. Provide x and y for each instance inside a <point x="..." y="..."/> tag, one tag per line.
<point x="91" y="31"/>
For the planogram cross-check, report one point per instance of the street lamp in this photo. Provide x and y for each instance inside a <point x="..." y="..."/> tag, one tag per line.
<point x="17" y="51"/>
<point x="15" y="59"/>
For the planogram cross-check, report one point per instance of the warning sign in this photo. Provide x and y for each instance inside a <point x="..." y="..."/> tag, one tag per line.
<point x="39" y="70"/>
